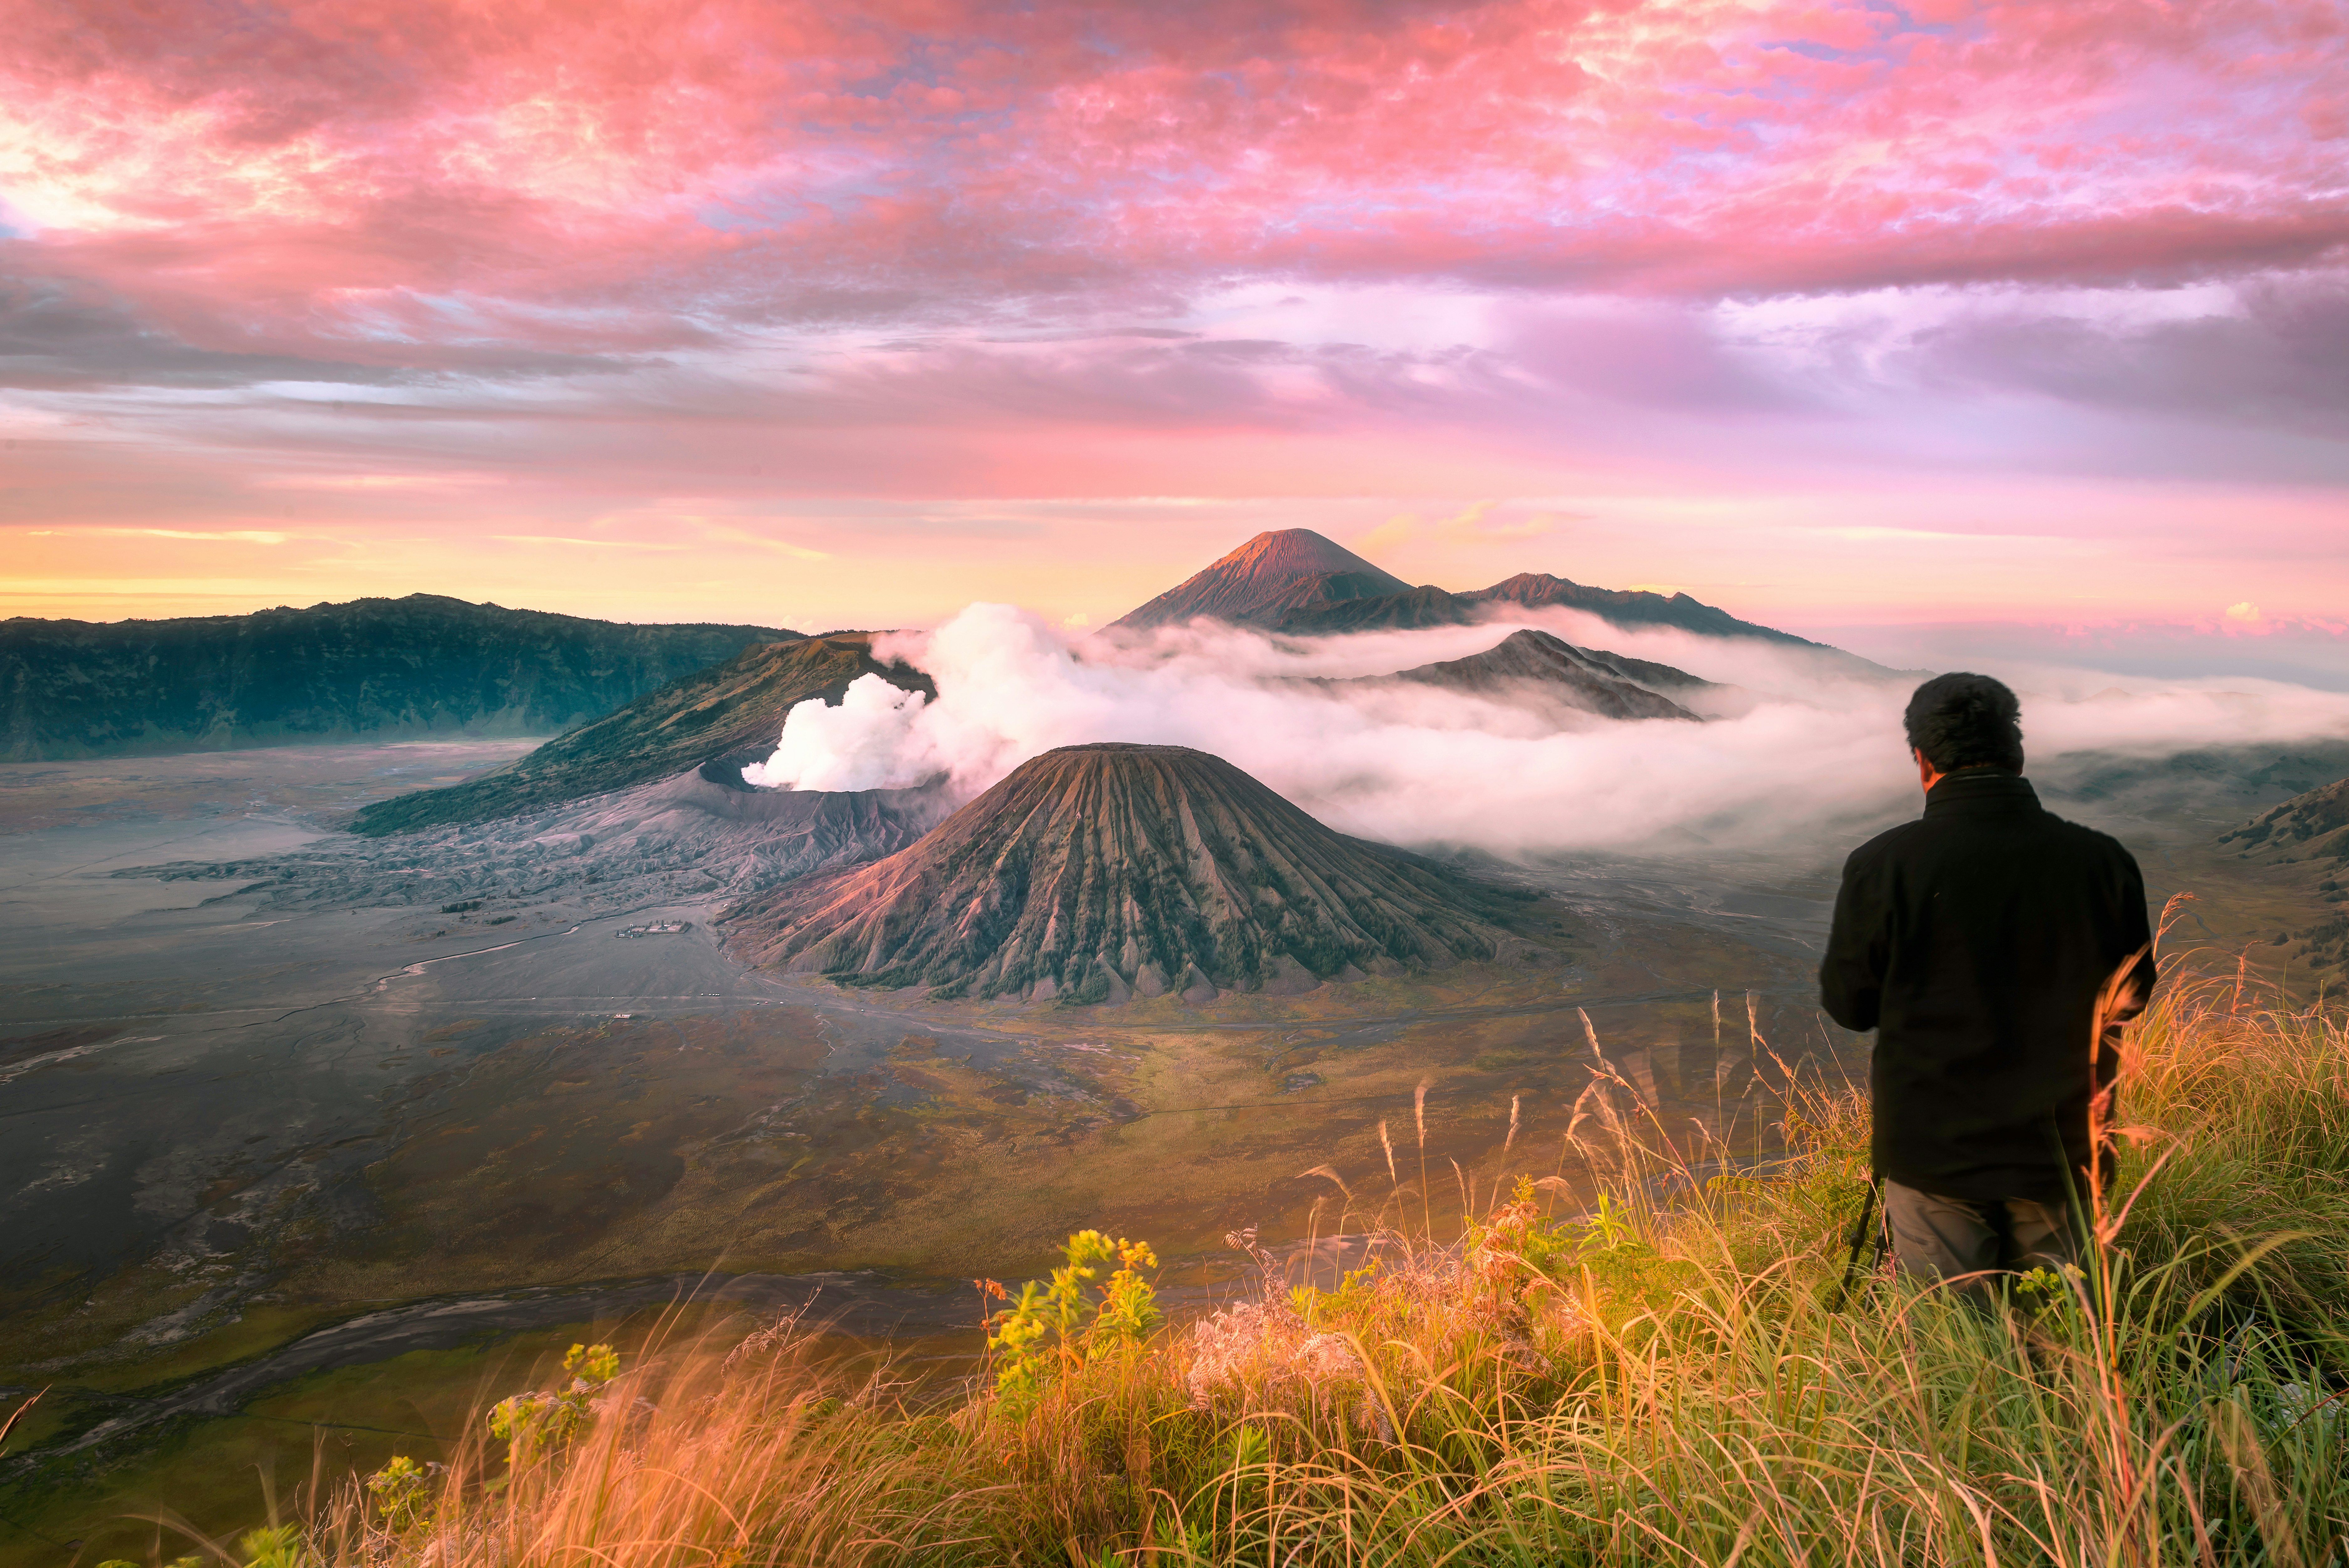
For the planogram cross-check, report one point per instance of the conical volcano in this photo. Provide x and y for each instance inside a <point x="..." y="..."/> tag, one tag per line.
<point x="1290" y="568"/>
<point x="1097" y="871"/>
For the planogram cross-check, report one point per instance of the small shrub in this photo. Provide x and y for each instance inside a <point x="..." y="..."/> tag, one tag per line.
<point x="541" y="1422"/>
<point x="279" y="1546"/>
<point x="1066" y="1321"/>
<point x="399" y="1491"/>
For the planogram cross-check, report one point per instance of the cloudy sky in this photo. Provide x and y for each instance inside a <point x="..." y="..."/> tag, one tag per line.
<point x="1895" y="322"/>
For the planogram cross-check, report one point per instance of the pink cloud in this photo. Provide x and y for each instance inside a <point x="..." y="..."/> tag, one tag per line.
<point x="314" y="169"/>
<point x="622" y="252"/>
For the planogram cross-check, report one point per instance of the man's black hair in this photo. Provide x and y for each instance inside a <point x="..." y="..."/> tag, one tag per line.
<point x="1961" y="720"/>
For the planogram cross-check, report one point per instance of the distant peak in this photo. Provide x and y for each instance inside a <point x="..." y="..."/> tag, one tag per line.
<point x="1298" y="550"/>
<point x="1261" y="573"/>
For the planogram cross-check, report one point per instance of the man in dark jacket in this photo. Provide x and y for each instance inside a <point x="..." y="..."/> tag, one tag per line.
<point x="1982" y="943"/>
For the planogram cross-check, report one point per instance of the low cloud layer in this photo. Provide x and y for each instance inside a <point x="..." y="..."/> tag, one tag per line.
<point x="1800" y="745"/>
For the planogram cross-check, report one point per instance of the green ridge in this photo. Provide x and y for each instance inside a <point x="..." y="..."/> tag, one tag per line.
<point x="382" y="669"/>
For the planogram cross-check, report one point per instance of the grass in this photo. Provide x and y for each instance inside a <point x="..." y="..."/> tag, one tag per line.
<point x="1675" y="1379"/>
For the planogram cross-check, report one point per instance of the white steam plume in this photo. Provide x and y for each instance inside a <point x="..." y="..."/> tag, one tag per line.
<point x="1805" y="741"/>
<point x="868" y="742"/>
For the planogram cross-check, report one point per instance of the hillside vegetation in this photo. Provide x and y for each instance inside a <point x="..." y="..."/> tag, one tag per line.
<point x="1678" y="1377"/>
<point x="376" y="668"/>
<point x="2312" y="827"/>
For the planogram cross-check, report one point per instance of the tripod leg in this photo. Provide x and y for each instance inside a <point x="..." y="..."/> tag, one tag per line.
<point x="1859" y="1237"/>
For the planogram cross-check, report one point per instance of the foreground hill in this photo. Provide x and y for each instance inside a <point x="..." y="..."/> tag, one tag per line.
<point x="1281" y="1415"/>
<point x="1299" y="583"/>
<point x="724" y="715"/>
<point x="1095" y="873"/>
<point x="382" y="669"/>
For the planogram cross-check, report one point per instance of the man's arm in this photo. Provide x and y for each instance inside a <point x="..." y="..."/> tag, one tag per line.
<point x="1851" y="976"/>
<point x="2127" y="995"/>
<point x="2137" y="936"/>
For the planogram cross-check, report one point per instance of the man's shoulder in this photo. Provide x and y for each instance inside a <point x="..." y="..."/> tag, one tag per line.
<point x="1885" y="846"/>
<point x="2090" y="841"/>
<point x="1929" y="837"/>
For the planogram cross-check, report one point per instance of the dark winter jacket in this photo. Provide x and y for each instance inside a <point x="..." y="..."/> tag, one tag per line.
<point x="1976" y="941"/>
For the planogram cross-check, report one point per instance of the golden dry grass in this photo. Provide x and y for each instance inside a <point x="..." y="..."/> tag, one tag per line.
<point x="1676" y="1383"/>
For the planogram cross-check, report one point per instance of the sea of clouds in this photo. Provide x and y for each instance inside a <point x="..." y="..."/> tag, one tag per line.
<point x="1805" y="743"/>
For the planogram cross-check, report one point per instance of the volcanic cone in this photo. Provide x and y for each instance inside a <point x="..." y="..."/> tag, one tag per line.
<point x="1096" y="871"/>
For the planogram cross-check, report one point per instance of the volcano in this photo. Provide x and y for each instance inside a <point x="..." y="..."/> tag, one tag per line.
<point x="1292" y="571"/>
<point x="720" y="717"/>
<point x="1095" y="873"/>
<point x="1532" y="666"/>
<point x="1296" y="583"/>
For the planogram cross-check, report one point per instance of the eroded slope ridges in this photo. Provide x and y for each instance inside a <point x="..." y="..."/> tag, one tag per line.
<point x="1534" y="664"/>
<point x="424" y="665"/>
<point x="731" y="712"/>
<point x="678" y="839"/>
<point x="1094" y="873"/>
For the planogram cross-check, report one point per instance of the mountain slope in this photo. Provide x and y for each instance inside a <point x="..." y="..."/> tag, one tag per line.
<point x="1270" y="569"/>
<point x="1413" y="609"/>
<point x="2313" y="826"/>
<point x="1303" y="616"/>
<point x="1628" y="608"/>
<point x="729" y="713"/>
<point x="376" y="667"/>
<point x="1536" y="665"/>
<point x="1295" y="582"/>
<point x="689" y="836"/>
<point x="1097" y="871"/>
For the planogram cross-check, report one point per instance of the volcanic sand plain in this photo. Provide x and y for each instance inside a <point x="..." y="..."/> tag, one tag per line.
<point x="337" y="1177"/>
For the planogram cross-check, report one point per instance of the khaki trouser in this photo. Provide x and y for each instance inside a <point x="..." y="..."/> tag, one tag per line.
<point x="1937" y="1238"/>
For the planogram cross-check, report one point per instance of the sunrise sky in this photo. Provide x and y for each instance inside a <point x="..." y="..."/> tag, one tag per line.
<point x="1842" y="316"/>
